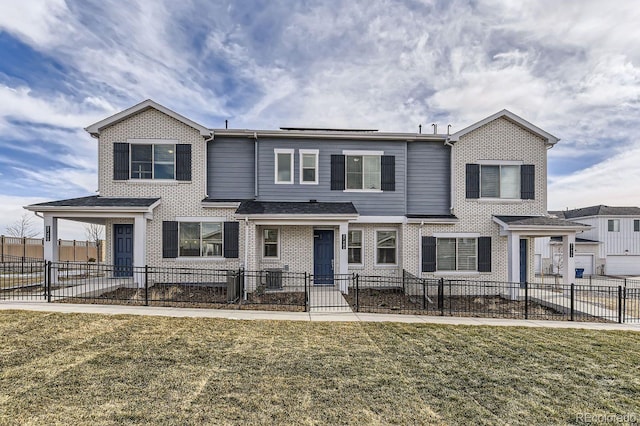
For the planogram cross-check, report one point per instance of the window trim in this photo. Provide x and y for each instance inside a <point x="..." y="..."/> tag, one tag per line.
<point x="361" y="153"/>
<point x="152" y="142"/>
<point x="200" y="221"/>
<point x="375" y="233"/>
<point x="615" y="223"/>
<point x="361" y="263"/>
<point x="457" y="237"/>
<point x="301" y="153"/>
<point x="268" y="258"/>
<point x="276" y="152"/>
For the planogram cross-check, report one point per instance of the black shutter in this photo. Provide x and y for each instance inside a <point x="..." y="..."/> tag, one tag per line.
<point x="473" y="181"/>
<point x="388" y="178"/>
<point x="183" y="162"/>
<point x="169" y="240"/>
<point x="484" y="254"/>
<point x="527" y="182"/>
<point x="231" y="237"/>
<point x="337" y="172"/>
<point x="120" y="161"/>
<point x="428" y="254"/>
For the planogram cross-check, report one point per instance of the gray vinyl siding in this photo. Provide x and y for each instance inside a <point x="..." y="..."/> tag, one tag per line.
<point x="428" y="178"/>
<point x="230" y="168"/>
<point x="388" y="203"/>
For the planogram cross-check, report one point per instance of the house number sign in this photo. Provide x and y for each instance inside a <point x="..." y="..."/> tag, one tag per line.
<point x="344" y="241"/>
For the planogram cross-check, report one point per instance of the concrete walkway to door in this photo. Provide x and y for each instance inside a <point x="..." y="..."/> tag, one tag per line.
<point x="301" y="316"/>
<point x="327" y="299"/>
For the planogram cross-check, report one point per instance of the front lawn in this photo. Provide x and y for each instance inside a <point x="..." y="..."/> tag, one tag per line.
<point x="95" y="369"/>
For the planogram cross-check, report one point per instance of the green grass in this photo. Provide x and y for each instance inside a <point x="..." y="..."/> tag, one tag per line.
<point x="94" y="369"/>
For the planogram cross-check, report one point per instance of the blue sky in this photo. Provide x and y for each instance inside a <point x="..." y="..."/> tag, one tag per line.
<point x="570" y="67"/>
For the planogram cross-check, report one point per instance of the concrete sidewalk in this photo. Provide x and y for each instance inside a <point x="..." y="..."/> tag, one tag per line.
<point x="301" y="316"/>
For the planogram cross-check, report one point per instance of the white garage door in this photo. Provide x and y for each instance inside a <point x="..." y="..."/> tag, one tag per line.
<point x="585" y="261"/>
<point x="623" y="265"/>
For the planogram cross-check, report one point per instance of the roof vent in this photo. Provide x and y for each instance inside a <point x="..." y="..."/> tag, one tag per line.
<point x="313" y="201"/>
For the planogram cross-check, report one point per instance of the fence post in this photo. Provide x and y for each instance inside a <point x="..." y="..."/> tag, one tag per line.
<point x="48" y="281"/>
<point x="424" y="295"/>
<point x="572" y="294"/>
<point x="441" y="296"/>
<point x="2" y="248"/>
<point x="146" y="285"/>
<point x="620" y="310"/>
<point x="357" y="278"/>
<point x="306" y="294"/>
<point x="526" y="300"/>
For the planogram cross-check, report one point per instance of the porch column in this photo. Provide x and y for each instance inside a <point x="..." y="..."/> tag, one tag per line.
<point x="343" y="255"/>
<point x="568" y="259"/>
<point x="51" y="243"/>
<point x="139" y="248"/>
<point x="513" y="247"/>
<point x="250" y="263"/>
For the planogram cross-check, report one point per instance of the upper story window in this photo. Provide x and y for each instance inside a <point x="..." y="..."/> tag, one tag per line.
<point x="153" y="161"/>
<point x="508" y="180"/>
<point x="308" y="166"/>
<point x="363" y="172"/>
<point x="284" y="165"/>
<point x="636" y="225"/>
<point x="613" y="225"/>
<point x="200" y="239"/>
<point x="499" y="181"/>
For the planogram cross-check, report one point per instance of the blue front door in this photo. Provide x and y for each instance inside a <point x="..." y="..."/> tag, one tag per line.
<point x="323" y="257"/>
<point x="123" y="250"/>
<point x="524" y="253"/>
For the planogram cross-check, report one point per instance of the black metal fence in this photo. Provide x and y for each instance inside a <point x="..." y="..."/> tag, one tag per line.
<point x="72" y="282"/>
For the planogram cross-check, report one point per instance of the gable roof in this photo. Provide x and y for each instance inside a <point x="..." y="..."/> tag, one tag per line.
<point x="548" y="137"/>
<point x="599" y="210"/>
<point x="95" y="128"/>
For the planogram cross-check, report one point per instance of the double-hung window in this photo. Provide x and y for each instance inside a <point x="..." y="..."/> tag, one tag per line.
<point x="283" y="165"/>
<point x="308" y="166"/>
<point x="153" y="161"/>
<point x="636" y="225"/>
<point x="457" y="254"/>
<point x="200" y="239"/>
<point x="270" y="243"/>
<point x="354" y="248"/>
<point x="363" y="172"/>
<point x="613" y="225"/>
<point x="386" y="243"/>
<point x="500" y="181"/>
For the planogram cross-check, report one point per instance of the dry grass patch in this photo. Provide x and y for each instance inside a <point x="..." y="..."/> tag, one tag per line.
<point x="94" y="369"/>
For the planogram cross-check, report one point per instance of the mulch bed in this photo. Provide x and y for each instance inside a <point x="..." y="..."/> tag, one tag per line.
<point x="196" y="297"/>
<point x="394" y="301"/>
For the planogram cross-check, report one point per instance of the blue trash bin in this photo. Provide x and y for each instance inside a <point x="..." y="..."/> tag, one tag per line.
<point x="579" y="272"/>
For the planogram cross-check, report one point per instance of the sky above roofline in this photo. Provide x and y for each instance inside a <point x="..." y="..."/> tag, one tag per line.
<point x="568" y="67"/>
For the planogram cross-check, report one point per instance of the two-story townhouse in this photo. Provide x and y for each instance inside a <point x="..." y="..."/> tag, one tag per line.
<point x="324" y="201"/>
<point x="611" y="246"/>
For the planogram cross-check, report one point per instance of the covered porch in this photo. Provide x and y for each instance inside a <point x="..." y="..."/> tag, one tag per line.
<point x="520" y="230"/>
<point x="127" y="245"/>
<point x="299" y="237"/>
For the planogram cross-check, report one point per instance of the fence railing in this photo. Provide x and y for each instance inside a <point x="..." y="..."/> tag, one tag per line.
<point x="88" y="282"/>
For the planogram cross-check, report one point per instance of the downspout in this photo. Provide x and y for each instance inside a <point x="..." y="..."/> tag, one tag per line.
<point x="452" y="181"/>
<point x="206" y="164"/>
<point x="420" y="249"/>
<point x="246" y="250"/>
<point x="255" y="165"/>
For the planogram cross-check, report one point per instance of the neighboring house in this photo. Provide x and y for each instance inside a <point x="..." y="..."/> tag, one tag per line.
<point x="175" y="193"/>
<point x="611" y="246"/>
